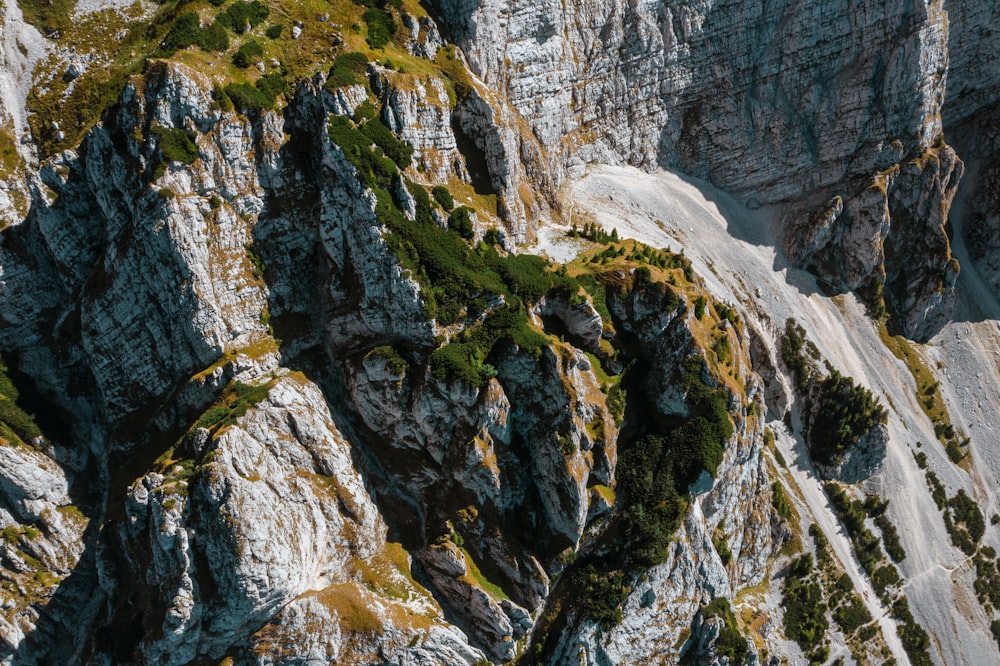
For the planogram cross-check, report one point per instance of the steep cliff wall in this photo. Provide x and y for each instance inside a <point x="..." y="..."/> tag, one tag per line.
<point x="302" y="401"/>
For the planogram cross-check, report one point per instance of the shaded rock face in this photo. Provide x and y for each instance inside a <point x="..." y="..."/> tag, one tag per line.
<point x="771" y="100"/>
<point x="793" y="104"/>
<point x="734" y="505"/>
<point x="889" y="240"/>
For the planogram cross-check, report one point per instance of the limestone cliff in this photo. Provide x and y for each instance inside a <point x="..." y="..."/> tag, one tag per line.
<point x="284" y="386"/>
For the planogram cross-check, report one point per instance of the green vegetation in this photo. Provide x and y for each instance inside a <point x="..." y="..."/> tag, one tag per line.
<point x="730" y="642"/>
<point x="853" y="514"/>
<point x="890" y="538"/>
<point x="915" y="639"/>
<point x="987" y="583"/>
<point x="249" y="53"/>
<point x="594" y="232"/>
<point x="799" y="355"/>
<point x="600" y="594"/>
<point x="838" y="411"/>
<point x="186" y="31"/>
<point x="443" y="196"/>
<point x="381" y="27"/>
<point x="460" y="220"/>
<point x="396" y="363"/>
<point x="805" y="609"/>
<point x="653" y="470"/>
<point x="349" y="69"/>
<point x="465" y="359"/>
<point x="236" y="400"/>
<point x="274" y="31"/>
<point x="457" y="280"/>
<point x="722" y="546"/>
<point x="846" y="413"/>
<point x="241" y="16"/>
<point x="246" y="97"/>
<point x="47" y="15"/>
<point x="15" y="423"/>
<point x="176" y="145"/>
<point x="779" y="501"/>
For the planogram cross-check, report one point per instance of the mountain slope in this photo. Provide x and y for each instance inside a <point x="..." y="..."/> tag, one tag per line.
<point x="348" y="332"/>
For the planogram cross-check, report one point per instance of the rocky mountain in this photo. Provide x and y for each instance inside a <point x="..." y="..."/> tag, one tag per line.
<point x="457" y="332"/>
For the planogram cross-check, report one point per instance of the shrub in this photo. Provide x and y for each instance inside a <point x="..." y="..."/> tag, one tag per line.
<point x="699" y="306"/>
<point x="250" y="98"/>
<point x="18" y="420"/>
<point x="460" y="220"/>
<point x="214" y="38"/>
<point x="185" y="31"/>
<point x="730" y="643"/>
<point x="274" y="31"/>
<point x="851" y="616"/>
<point x="381" y="27"/>
<point x="379" y="133"/>
<point x="249" y="53"/>
<point x="348" y="70"/>
<point x="396" y="363"/>
<point x="241" y="14"/>
<point x="845" y="413"/>
<point x="176" y="145"/>
<point x="236" y="401"/>
<point x="779" y="501"/>
<point x="890" y="539"/>
<point x="443" y="196"/>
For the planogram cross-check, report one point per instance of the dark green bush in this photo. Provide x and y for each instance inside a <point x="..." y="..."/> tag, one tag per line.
<point x="851" y="616"/>
<point x="176" y="145"/>
<point x="779" y="501"/>
<point x="915" y="640"/>
<point x="846" y="412"/>
<point x="248" y="54"/>
<point x="379" y="133"/>
<point x="185" y="32"/>
<point x="348" y="70"/>
<point x="236" y="401"/>
<point x="601" y="595"/>
<point x="805" y="611"/>
<point x="460" y="220"/>
<point x="272" y="85"/>
<point x="396" y="363"/>
<point x="241" y="14"/>
<point x="699" y="306"/>
<point x="18" y="420"/>
<point x="274" y="31"/>
<point x="652" y="468"/>
<point x="890" y="539"/>
<point x="214" y="38"/>
<point x="381" y="27"/>
<point x="730" y="643"/>
<point x="443" y="196"/>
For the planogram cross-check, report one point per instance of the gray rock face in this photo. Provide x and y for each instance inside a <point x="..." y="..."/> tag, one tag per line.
<point x="274" y="509"/>
<point x="778" y="103"/>
<point x="641" y="83"/>
<point x="889" y="240"/>
<point x="861" y="461"/>
<point x="735" y="504"/>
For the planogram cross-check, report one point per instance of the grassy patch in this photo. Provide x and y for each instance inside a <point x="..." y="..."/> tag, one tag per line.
<point x="928" y="392"/>
<point x="396" y="363"/>
<point x="47" y="15"/>
<point x="236" y="400"/>
<point x="480" y="580"/>
<point x="177" y="145"/>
